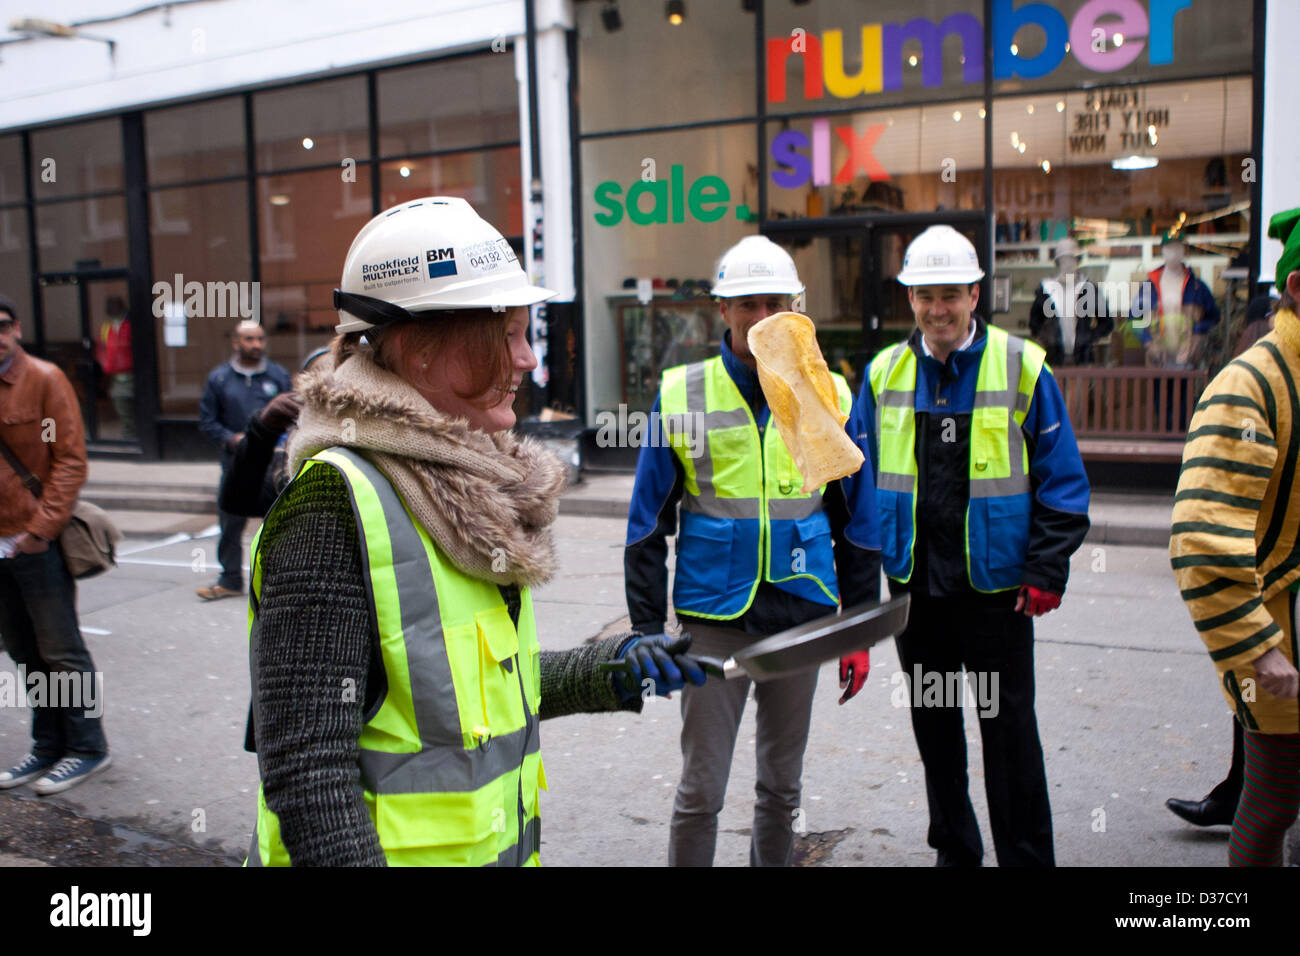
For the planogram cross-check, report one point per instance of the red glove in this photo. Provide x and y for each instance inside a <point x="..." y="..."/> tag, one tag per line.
<point x="854" y="669"/>
<point x="1035" y="602"/>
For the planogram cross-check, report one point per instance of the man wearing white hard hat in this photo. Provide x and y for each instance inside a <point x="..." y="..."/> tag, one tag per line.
<point x="755" y="555"/>
<point x="397" y="678"/>
<point x="982" y="499"/>
<point x="1069" y="315"/>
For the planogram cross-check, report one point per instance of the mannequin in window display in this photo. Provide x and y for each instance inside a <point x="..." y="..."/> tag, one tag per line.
<point x="1171" y="315"/>
<point x="1069" y="314"/>
<point x="1179" y="309"/>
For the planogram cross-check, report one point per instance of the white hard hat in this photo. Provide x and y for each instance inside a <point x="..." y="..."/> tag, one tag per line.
<point x="940" y="256"/>
<point x="1067" y="247"/>
<point x="428" y="254"/>
<point x="755" y="266"/>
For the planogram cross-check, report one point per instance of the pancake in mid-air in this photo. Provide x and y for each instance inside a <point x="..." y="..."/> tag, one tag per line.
<point x="801" y="394"/>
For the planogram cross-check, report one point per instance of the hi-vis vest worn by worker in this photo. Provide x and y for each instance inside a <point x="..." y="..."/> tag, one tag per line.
<point x="450" y="765"/>
<point x="997" y="518"/>
<point x="744" y="517"/>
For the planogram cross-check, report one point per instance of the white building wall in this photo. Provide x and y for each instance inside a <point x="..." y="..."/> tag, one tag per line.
<point x="190" y="49"/>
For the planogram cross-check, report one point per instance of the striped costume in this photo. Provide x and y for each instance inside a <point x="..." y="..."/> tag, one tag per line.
<point x="1235" y="549"/>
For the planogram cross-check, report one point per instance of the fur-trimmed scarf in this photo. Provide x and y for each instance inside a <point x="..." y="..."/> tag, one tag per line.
<point x="488" y="500"/>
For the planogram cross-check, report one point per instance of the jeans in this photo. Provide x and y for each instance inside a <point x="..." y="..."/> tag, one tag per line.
<point x="38" y="624"/>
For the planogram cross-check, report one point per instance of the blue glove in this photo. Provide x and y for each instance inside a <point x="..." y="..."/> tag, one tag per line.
<point x="659" y="658"/>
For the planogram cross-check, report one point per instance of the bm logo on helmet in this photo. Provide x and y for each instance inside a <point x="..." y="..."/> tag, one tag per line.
<point x="442" y="262"/>
<point x="936" y="260"/>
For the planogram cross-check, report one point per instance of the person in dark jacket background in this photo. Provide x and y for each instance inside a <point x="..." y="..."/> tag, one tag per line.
<point x="982" y="498"/>
<point x="236" y="391"/>
<point x="256" y="475"/>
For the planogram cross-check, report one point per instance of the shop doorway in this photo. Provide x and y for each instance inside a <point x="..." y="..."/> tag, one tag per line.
<point x="850" y="269"/>
<point x="87" y="334"/>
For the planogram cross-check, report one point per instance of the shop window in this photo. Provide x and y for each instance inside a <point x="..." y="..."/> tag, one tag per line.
<point x="312" y="125"/>
<point x="489" y="180"/>
<point x="453" y="104"/>
<point x="77" y="159"/>
<point x="187" y="143"/>
<point x="918" y="159"/>
<point x="82" y="232"/>
<point x="661" y="207"/>
<point x="306" y="223"/>
<point x="198" y="234"/>
<point x="651" y="73"/>
<point x="11" y="169"/>
<point x="1114" y="168"/>
<point x="844" y="53"/>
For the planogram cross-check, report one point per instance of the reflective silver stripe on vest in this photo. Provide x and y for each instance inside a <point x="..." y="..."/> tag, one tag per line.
<point x="736" y="508"/>
<point x="446" y="770"/>
<point x="888" y="481"/>
<point x="530" y="842"/>
<point x="254" y="854"/>
<point x="792" y="509"/>
<point x="1010" y="398"/>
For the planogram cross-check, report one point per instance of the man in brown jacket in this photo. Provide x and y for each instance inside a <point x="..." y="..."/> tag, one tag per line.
<point x="40" y="422"/>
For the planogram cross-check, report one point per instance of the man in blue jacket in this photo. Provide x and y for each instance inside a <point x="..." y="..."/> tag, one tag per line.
<point x="754" y="556"/>
<point x="982" y="499"/>
<point x="236" y="391"/>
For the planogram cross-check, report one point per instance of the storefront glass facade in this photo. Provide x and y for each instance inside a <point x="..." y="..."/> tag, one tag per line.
<point x="252" y="200"/>
<point x="843" y="129"/>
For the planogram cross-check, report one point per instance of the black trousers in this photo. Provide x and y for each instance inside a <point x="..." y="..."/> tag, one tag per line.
<point x="995" y="645"/>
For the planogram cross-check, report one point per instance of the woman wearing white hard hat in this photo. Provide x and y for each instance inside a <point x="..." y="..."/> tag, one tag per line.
<point x="397" y="679"/>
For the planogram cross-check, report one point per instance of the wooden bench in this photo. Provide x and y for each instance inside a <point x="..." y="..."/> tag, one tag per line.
<point x="1130" y="414"/>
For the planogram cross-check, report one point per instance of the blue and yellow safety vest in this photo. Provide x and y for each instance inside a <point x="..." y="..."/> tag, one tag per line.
<point x="450" y="760"/>
<point x="744" y="516"/>
<point x="998" y="515"/>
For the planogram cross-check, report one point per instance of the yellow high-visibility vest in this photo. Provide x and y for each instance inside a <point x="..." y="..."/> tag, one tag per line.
<point x="997" y="516"/>
<point x="744" y="516"/>
<point x="450" y="762"/>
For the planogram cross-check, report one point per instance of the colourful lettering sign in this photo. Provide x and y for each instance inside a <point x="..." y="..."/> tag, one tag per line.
<point x="882" y="46"/>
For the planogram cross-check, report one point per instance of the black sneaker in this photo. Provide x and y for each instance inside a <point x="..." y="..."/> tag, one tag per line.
<point x="29" y="768"/>
<point x="69" y="772"/>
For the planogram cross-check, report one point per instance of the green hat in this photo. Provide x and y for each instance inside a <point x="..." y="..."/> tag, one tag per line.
<point x="1171" y="236"/>
<point x="1282" y="226"/>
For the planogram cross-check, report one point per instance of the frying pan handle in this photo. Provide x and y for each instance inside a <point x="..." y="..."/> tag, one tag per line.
<point x="719" y="668"/>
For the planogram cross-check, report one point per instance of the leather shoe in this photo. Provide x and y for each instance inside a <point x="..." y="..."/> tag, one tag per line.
<point x="216" y="592"/>
<point x="1212" y="811"/>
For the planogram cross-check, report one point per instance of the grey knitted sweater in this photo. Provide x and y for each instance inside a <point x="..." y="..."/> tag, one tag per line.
<point x="315" y="634"/>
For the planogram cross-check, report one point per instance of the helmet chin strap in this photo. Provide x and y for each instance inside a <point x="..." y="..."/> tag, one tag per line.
<point x="369" y="309"/>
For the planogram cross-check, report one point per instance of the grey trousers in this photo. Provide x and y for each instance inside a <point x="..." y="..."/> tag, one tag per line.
<point x="710" y="721"/>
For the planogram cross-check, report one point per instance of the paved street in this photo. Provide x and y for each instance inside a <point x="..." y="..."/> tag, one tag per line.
<point x="1128" y="709"/>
